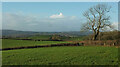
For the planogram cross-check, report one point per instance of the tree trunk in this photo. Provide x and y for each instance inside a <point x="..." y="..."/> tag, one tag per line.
<point x="95" y="37"/>
<point x="100" y="36"/>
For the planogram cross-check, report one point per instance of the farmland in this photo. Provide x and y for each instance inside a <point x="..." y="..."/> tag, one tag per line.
<point x="9" y="43"/>
<point x="64" y="55"/>
<point x="44" y="37"/>
<point x="60" y="34"/>
<point x="87" y="55"/>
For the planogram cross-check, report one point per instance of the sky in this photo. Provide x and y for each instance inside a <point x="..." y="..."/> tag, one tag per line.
<point x="50" y="16"/>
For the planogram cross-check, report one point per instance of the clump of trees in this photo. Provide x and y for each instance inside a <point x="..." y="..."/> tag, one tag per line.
<point x="97" y="19"/>
<point x="55" y="37"/>
<point x="111" y="35"/>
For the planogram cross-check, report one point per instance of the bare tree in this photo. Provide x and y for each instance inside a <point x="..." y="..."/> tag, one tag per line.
<point x="97" y="19"/>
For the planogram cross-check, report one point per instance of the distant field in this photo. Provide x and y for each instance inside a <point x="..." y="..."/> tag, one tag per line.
<point x="77" y="55"/>
<point x="47" y="37"/>
<point x="44" y="37"/>
<point x="9" y="43"/>
<point x="77" y="38"/>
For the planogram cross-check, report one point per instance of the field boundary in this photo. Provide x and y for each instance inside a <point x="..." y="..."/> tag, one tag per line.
<point x="102" y="42"/>
<point x="33" y="39"/>
<point x="40" y="46"/>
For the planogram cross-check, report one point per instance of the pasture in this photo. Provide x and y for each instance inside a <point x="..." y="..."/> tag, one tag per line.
<point x="43" y="37"/>
<point x="9" y="43"/>
<point x="64" y="55"/>
<point x="72" y="55"/>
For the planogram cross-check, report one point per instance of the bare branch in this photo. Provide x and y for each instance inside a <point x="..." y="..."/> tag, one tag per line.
<point x="97" y="18"/>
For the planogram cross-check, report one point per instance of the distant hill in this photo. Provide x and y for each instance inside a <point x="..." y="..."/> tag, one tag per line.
<point x="15" y="33"/>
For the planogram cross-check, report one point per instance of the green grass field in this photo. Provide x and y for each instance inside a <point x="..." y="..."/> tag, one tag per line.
<point x="72" y="55"/>
<point x="76" y="38"/>
<point x="9" y="43"/>
<point x="43" y="37"/>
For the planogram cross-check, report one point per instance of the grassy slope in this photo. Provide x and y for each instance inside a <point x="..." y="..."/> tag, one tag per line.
<point x="8" y="43"/>
<point x="82" y="55"/>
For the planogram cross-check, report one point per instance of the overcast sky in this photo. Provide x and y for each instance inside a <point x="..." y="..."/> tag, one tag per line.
<point x="49" y="16"/>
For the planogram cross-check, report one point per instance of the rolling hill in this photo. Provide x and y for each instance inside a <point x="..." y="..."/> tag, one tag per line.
<point x="16" y="33"/>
